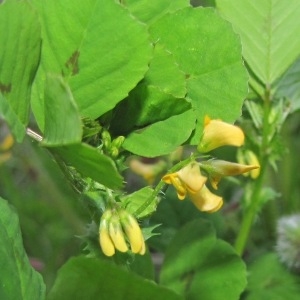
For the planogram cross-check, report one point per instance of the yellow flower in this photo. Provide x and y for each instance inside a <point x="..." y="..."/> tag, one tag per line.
<point x="133" y="232"/>
<point x="7" y="142"/>
<point x="190" y="181"/>
<point x="147" y="171"/>
<point x="249" y="157"/>
<point x="219" y="168"/>
<point x="206" y="201"/>
<point x="187" y="180"/>
<point x="105" y="240"/>
<point x="116" y="234"/>
<point x="116" y="229"/>
<point x="217" y="133"/>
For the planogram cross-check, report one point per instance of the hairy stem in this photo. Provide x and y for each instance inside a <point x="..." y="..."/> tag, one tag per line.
<point x="252" y="209"/>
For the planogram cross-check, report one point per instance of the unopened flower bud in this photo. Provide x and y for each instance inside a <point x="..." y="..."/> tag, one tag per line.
<point x="106" y="139"/>
<point x="218" y="168"/>
<point x="133" y="232"/>
<point x="116" y="234"/>
<point x="249" y="157"/>
<point x="114" y="152"/>
<point x="117" y="142"/>
<point x="106" y="243"/>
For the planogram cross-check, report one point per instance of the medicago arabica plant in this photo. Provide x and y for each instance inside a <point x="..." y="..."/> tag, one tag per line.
<point x="141" y="103"/>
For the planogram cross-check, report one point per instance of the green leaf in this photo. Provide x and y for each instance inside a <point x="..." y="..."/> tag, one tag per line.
<point x="172" y="214"/>
<point x="269" y="279"/>
<point x="145" y="105"/>
<point x="288" y="86"/>
<point x="37" y="98"/>
<point x="91" y="163"/>
<point x="211" y="58"/>
<point x="6" y="112"/>
<point x="62" y="120"/>
<point x="263" y="27"/>
<point x="135" y="200"/>
<point x="212" y="269"/>
<point x="165" y="74"/>
<point x="18" y="279"/>
<point x="149" y="11"/>
<point x="143" y="265"/>
<point x="162" y="137"/>
<point x="19" y="54"/>
<point x="87" y="278"/>
<point x="103" y="59"/>
<point x="148" y="232"/>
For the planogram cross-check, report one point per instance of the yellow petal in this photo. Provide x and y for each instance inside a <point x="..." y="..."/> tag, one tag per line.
<point x="180" y="188"/>
<point x="167" y="178"/>
<point x="143" y="249"/>
<point x="133" y="232"/>
<point x="214" y="180"/>
<point x="206" y="201"/>
<point x="217" y="133"/>
<point x="105" y="241"/>
<point x="252" y="159"/>
<point x="192" y="177"/>
<point x="7" y="142"/>
<point x="116" y="234"/>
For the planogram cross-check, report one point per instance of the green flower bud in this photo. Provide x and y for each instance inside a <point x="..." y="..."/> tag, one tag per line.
<point x="114" y="152"/>
<point x="117" y="142"/>
<point x="106" y="139"/>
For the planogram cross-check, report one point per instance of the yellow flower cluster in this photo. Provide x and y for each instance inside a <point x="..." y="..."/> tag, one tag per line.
<point x="189" y="180"/>
<point x="117" y="230"/>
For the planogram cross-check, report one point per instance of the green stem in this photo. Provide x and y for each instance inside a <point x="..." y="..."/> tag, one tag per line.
<point x="161" y="184"/>
<point x="252" y="209"/>
<point x="248" y="218"/>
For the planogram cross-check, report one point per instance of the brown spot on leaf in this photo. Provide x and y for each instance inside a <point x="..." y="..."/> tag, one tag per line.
<point x="72" y="63"/>
<point x="5" y="88"/>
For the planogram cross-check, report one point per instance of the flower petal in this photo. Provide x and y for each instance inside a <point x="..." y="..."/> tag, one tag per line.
<point x="105" y="241"/>
<point x="133" y="232"/>
<point x="192" y="177"/>
<point x="217" y="133"/>
<point x="206" y="201"/>
<point x="116" y="234"/>
<point x="180" y="188"/>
